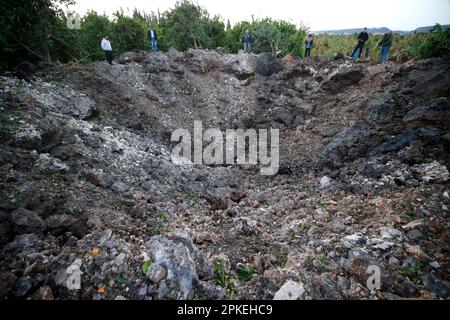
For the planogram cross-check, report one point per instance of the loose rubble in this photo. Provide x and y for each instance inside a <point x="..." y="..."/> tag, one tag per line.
<point x="88" y="188"/>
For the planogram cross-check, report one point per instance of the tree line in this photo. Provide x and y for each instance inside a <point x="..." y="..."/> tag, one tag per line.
<point x="36" y="30"/>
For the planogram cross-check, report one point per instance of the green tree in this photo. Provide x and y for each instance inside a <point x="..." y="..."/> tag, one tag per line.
<point x="31" y="30"/>
<point x="184" y="27"/>
<point x="93" y="28"/>
<point x="267" y="35"/>
<point x="127" y="33"/>
<point x="215" y="32"/>
<point x="233" y="36"/>
<point x="436" y="44"/>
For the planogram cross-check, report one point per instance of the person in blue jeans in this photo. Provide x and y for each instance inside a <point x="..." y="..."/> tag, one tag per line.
<point x="308" y="45"/>
<point x="385" y="44"/>
<point x="153" y="37"/>
<point x="247" y="39"/>
<point x="362" y="39"/>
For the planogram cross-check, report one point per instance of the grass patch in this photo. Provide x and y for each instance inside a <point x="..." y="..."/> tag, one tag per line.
<point x="189" y="195"/>
<point x="245" y="273"/>
<point x="221" y="276"/>
<point x="146" y="266"/>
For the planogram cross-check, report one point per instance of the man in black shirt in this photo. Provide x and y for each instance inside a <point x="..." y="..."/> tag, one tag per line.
<point x="362" y="38"/>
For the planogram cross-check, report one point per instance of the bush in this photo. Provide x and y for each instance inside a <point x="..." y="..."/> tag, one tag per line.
<point x="93" y="28"/>
<point x="35" y="30"/>
<point x="436" y="44"/>
<point x="127" y="34"/>
<point x="269" y="36"/>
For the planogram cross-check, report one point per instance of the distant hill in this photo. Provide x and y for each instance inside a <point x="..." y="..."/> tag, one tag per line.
<point x="354" y="30"/>
<point x="377" y="30"/>
<point x="427" y="29"/>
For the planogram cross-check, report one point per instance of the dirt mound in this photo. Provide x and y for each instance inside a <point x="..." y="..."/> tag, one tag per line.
<point x="88" y="188"/>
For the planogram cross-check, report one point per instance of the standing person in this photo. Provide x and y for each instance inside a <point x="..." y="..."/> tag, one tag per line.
<point x="247" y="39"/>
<point x="385" y="45"/>
<point x="308" y="45"/>
<point x="362" y="38"/>
<point x="106" y="46"/>
<point x="153" y="37"/>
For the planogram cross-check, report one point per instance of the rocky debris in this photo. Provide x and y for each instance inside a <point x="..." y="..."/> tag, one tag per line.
<point x="431" y="172"/>
<point x="363" y="180"/>
<point x="26" y="221"/>
<point x="413" y="224"/>
<point x="156" y="273"/>
<point x="352" y="142"/>
<point x="344" y="78"/>
<point x="43" y="293"/>
<point x="48" y="163"/>
<point x="291" y="290"/>
<point x="184" y="263"/>
<point x="325" y="182"/>
<point x="435" y="265"/>
<point x="396" y="143"/>
<point x="434" y="284"/>
<point x="436" y="112"/>
<point x="355" y="239"/>
<point x="428" y="79"/>
<point x="388" y="233"/>
<point x="241" y="65"/>
<point x="129" y="57"/>
<point x="61" y="99"/>
<point x="7" y="280"/>
<point x="285" y="117"/>
<point x="381" y="109"/>
<point x="22" y="286"/>
<point x="267" y="65"/>
<point x="119" y="187"/>
<point x="156" y="63"/>
<point x="23" y="243"/>
<point x="28" y="136"/>
<point x="358" y="263"/>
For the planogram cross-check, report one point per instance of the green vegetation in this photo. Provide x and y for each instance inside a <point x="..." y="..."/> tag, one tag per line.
<point x="351" y="211"/>
<point x="36" y="30"/>
<point x="245" y="273"/>
<point x="411" y="273"/>
<point x="161" y="216"/>
<point x="8" y="124"/>
<point x="189" y="195"/>
<point x="221" y="276"/>
<point x="126" y="200"/>
<point x="226" y="279"/>
<point x="436" y="43"/>
<point x="146" y="266"/>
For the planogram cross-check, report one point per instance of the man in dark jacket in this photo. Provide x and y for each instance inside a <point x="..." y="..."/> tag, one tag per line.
<point x="362" y="38"/>
<point x="153" y="37"/>
<point x="308" y="45"/>
<point x="247" y="39"/>
<point x="385" y="45"/>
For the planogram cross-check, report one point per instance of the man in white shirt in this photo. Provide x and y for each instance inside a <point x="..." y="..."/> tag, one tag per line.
<point x="106" y="46"/>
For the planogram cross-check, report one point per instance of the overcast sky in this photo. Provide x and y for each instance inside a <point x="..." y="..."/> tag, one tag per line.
<point x="317" y="14"/>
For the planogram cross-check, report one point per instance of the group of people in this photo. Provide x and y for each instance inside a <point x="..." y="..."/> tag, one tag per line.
<point x="248" y="39"/>
<point x="385" y="45"/>
<point x="107" y="48"/>
<point x="363" y="37"/>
